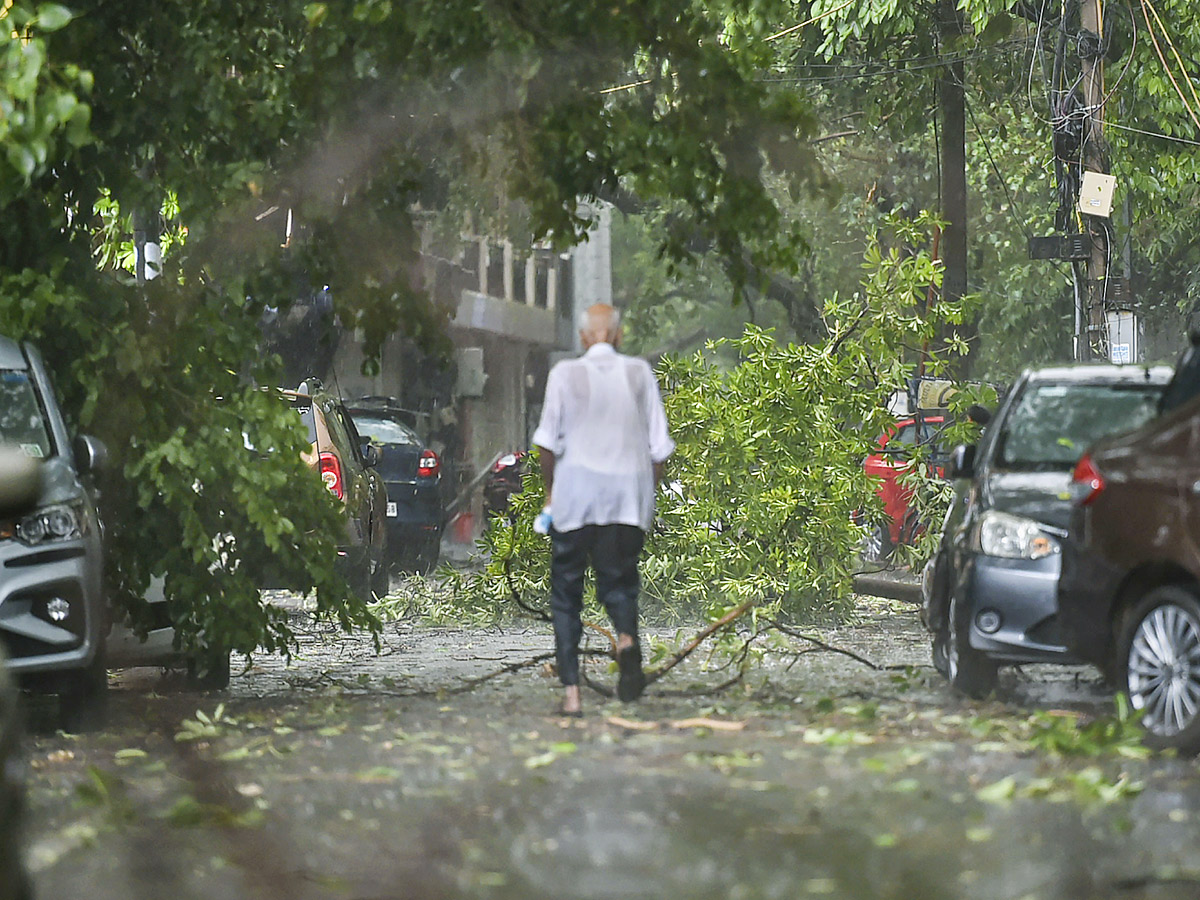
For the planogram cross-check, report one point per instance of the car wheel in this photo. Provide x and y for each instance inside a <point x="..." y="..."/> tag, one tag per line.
<point x="912" y="528"/>
<point x="968" y="671"/>
<point x="1160" y="662"/>
<point x="427" y="557"/>
<point x="940" y="650"/>
<point x="83" y="701"/>
<point x="876" y="544"/>
<point x="208" y="671"/>
<point x="380" y="577"/>
<point x="362" y="579"/>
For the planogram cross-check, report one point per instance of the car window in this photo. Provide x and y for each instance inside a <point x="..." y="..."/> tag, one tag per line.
<point x="385" y="431"/>
<point x="1052" y="424"/>
<point x="305" y="410"/>
<point x="22" y="422"/>
<point x="342" y="430"/>
<point x="356" y="439"/>
<point x="905" y="436"/>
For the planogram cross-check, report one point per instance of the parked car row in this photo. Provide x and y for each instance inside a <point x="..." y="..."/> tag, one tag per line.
<point x="56" y="627"/>
<point x="1075" y="537"/>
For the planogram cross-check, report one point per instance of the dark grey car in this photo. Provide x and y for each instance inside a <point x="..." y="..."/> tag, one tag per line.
<point x="990" y="593"/>
<point x="53" y="614"/>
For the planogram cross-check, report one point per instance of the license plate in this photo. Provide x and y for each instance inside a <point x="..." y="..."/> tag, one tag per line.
<point x="391" y="509"/>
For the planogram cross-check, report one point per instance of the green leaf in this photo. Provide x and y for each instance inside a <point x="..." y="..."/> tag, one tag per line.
<point x="53" y="16"/>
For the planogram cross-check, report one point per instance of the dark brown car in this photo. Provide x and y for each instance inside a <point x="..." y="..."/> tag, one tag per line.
<point x="1129" y="593"/>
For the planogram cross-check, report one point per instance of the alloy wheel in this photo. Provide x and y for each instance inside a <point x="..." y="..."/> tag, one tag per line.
<point x="871" y="548"/>
<point x="1163" y="671"/>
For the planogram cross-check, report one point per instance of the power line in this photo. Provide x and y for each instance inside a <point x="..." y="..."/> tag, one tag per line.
<point x="1147" y="8"/>
<point x="1014" y="208"/>
<point x="1154" y="134"/>
<point x="926" y="62"/>
<point x="816" y="18"/>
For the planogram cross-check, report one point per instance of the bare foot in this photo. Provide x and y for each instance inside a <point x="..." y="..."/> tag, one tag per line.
<point x="571" y="705"/>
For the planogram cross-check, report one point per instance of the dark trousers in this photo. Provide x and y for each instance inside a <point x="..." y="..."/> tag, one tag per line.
<point x="613" y="551"/>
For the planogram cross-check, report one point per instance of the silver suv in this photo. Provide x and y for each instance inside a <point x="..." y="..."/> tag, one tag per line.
<point x="53" y="616"/>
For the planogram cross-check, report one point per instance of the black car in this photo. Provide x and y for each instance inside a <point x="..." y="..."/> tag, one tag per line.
<point x="412" y="472"/>
<point x="990" y="592"/>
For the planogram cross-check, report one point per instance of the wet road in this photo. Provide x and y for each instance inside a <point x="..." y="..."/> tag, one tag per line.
<point x="347" y="775"/>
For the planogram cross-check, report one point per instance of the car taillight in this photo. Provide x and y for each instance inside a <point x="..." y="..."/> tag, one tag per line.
<point x="428" y="465"/>
<point x="1086" y="481"/>
<point x="331" y="473"/>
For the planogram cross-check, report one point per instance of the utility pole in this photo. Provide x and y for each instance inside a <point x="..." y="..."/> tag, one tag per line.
<point x="1091" y="55"/>
<point x="1085" y="191"/>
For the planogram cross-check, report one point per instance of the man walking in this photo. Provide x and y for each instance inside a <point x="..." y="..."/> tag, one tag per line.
<point x="602" y="442"/>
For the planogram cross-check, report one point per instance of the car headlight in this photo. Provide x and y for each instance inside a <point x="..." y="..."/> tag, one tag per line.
<point x="60" y="522"/>
<point x="1013" y="537"/>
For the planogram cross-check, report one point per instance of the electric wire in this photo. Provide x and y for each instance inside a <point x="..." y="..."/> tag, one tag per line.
<point x="1036" y="55"/>
<point x="815" y="18"/>
<point x="1170" y="43"/>
<point x="1013" y="206"/>
<point x="1015" y="209"/>
<point x="1128" y="57"/>
<point x="1154" y="134"/>
<point x="1162" y="58"/>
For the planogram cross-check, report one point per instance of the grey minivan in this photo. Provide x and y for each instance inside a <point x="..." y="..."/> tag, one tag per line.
<point x="53" y="615"/>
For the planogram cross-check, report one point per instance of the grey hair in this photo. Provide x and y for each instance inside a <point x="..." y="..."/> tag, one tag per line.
<point x="583" y="321"/>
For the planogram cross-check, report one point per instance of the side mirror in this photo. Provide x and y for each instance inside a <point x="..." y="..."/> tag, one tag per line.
<point x="370" y="455"/>
<point x="90" y="454"/>
<point x="980" y="415"/>
<point x="962" y="461"/>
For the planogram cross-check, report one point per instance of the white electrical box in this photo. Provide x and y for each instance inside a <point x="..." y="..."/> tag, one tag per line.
<point x="1124" y="337"/>
<point x="1096" y="194"/>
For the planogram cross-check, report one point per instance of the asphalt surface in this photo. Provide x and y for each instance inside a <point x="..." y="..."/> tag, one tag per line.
<point x="351" y="774"/>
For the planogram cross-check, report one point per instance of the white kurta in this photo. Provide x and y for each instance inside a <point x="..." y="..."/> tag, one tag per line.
<point x="604" y="421"/>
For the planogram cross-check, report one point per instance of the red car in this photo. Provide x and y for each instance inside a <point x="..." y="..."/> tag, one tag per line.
<point x="892" y="458"/>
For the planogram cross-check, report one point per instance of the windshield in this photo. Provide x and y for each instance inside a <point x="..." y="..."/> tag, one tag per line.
<point x="1053" y="424"/>
<point x="21" y="421"/>
<point x="902" y="440"/>
<point x="385" y="431"/>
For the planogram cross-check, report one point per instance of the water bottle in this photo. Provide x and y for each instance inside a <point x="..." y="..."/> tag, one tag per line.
<point x="541" y="524"/>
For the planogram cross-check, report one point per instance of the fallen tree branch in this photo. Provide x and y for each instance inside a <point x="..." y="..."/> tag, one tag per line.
<point x="704" y="634"/>
<point x="816" y="642"/>
<point x="516" y="595"/>
<point x="471" y="683"/>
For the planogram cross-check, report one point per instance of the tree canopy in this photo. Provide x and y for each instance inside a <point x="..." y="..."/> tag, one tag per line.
<point x="207" y="120"/>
